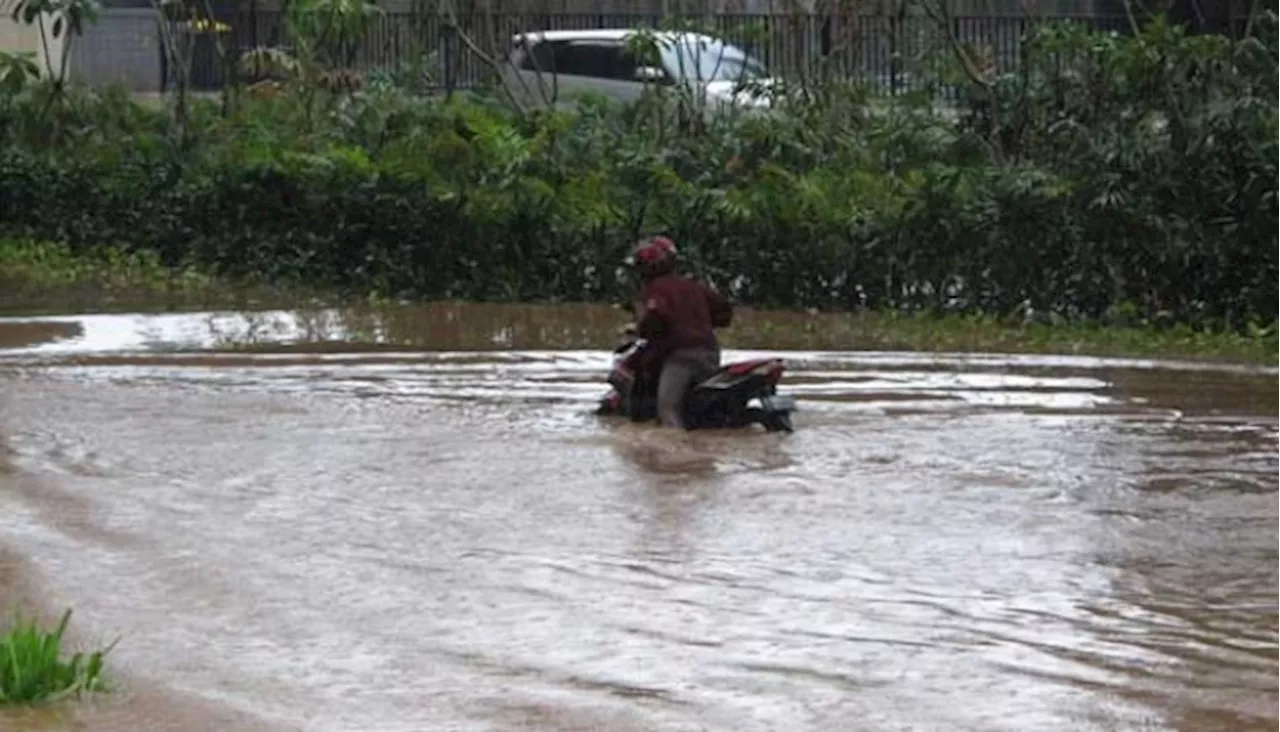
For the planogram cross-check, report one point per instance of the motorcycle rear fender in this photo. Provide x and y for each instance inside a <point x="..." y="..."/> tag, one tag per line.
<point x="770" y="370"/>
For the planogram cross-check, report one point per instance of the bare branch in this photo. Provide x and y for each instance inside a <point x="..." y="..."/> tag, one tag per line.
<point x="488" y="60"/>
<point x="1133" y="22"/>
<point x="44" y="44"/>
<point x="1248" y="22"/>
<point x="940" y="14"/>
<point x="937" y="11"/>
<point x="1195" y="8"/>
<point x="537" y="72"/>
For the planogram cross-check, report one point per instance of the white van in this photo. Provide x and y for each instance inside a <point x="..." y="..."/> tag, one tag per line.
<point x="553" y="66"/>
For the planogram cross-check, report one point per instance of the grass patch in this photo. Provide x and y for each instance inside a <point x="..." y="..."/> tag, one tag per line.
<point x="32" y="667"/>
<point x="38" y="277"/>
<point x="463" y="326"/>
<point x="44" y="278"/>
<point x="44" y="265"/>
<point x="984" y="334"/>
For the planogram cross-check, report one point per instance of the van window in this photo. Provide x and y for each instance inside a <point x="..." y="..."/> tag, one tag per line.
<point x="543" y="53"/>
<point x="598" y="59"/>
<point x="601" y="60"/>
<point x="702" y="60"/>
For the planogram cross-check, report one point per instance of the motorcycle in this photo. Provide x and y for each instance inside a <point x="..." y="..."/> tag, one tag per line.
<point x="736" y="395"/>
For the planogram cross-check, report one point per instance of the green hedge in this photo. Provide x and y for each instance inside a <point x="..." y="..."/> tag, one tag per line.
<point x="1114" y="177"/>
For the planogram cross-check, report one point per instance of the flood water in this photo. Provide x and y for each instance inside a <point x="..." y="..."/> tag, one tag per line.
<point x="412" y="521"/>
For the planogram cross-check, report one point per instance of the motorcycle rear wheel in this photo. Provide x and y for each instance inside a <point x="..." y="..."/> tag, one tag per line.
<point x="777" y="422"/>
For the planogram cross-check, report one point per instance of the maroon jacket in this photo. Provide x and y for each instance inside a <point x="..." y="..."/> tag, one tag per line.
<point x="680" y="313"/>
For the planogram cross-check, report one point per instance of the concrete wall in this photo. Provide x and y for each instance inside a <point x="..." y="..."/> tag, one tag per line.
<point x="19" y="37"/>
<point x="122" y="47"/>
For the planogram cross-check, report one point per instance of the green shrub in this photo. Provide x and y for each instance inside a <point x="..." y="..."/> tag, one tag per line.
<point x="1113" y="175"/>
<point x="32" y="668"/>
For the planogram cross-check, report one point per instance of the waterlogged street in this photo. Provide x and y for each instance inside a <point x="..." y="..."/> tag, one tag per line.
<point x="412" y="521"/>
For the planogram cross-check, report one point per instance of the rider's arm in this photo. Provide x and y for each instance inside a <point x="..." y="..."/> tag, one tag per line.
<point x="721" y="309"/>
<point x="651" y="325"/>
<point x="655" y="314"/>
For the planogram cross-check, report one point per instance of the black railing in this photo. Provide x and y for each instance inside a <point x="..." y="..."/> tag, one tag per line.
<point x="885" y="50"/>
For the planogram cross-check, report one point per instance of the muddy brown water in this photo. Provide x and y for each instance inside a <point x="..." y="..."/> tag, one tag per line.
<point x="411" y="521"/>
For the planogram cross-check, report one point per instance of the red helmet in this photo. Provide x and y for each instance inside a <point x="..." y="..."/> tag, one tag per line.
<point x="654" y="256"/>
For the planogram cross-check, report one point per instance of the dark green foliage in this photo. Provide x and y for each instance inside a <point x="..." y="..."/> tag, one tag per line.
<point x="1120" y="179"/>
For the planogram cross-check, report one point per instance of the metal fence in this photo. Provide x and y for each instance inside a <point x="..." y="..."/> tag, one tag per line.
<point x="883" y="48"/>
<point x="887" y="50"/>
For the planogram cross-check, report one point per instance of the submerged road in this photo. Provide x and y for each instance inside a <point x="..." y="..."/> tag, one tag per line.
<point x="313" y="534"/>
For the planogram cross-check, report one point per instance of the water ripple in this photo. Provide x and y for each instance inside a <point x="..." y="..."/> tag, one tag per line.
<point x="340" y="539"/>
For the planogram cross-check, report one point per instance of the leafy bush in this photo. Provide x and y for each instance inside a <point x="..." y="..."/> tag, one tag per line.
<point x="32" y="668"/>
<point x="1112" y="178"/>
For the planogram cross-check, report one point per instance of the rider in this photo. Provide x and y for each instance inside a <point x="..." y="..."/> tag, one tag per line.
<point x="678" y="317"/>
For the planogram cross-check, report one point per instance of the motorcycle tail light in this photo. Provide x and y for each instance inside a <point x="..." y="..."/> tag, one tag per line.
<point x="771" y="371"/>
